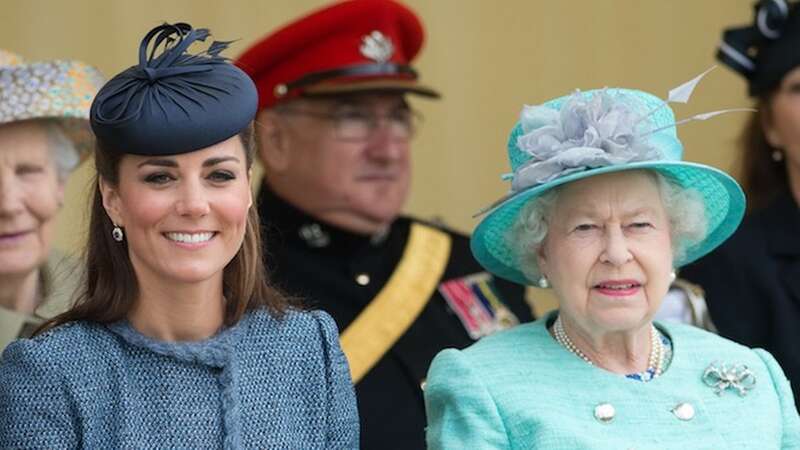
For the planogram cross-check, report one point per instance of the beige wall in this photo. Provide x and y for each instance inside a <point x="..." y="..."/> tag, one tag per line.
<point x="487" y="57"/>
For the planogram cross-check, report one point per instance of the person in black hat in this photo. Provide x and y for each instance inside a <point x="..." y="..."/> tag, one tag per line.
<point x="334" y="135"/>
<point x="752" y="282"/>
<point x="177" y="340"/>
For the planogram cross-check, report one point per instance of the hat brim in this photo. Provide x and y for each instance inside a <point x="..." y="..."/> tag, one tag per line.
<point x="723" y="198"/>
<point x="367" y="86"/>
<point x="60" y="90"/>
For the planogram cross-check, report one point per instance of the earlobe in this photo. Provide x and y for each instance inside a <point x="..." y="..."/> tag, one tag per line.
<point x="60" y="194"/>
<point x="773" y="138"/>
<point x="272" y="141"/>
<point x="541" y="258"/>
<point x="770" y="133"/>
<point x="110" y="202"/>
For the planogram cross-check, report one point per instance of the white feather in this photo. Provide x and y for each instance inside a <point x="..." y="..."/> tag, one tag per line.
<point x="682" y="93"/>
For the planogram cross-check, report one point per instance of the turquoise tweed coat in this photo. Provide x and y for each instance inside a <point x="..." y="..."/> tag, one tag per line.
<point x="521" y="390"/>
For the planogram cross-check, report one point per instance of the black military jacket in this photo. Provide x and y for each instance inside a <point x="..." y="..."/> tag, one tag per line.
<point x="341" y="272"/>
<point x="752" y="284"/>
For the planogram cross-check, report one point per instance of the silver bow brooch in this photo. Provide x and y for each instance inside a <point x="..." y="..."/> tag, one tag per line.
<point x="734" y="376"/>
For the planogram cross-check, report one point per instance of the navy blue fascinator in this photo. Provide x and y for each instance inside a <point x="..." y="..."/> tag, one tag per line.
<point x="766" y="50"/>
<point x="173" y="102"/>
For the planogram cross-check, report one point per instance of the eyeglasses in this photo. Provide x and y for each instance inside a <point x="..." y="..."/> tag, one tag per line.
<point x="358" y="125"/>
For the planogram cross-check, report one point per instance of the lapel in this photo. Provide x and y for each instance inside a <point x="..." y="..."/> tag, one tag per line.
<point x="782" y="224"/>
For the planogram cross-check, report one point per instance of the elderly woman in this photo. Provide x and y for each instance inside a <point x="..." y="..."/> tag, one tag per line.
<point x="44" y="133"/>
<point x="177" y="341"/>
<point x="752" y="281"/>
<point x="603" y="210"/>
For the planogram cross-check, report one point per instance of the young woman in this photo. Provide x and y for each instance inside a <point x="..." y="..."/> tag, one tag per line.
<point x="177" y="340"/>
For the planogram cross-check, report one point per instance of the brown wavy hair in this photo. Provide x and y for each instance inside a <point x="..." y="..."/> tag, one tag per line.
<point x="109" y="287"/>
<point x="762" y="178"/>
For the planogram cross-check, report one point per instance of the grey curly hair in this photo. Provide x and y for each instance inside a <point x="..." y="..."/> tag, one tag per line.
<point x="684" y="207"/>
<point x="62" y="149"/>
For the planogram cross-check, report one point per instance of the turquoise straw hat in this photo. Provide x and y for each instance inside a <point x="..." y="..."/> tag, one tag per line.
<point x="592" y="133"/>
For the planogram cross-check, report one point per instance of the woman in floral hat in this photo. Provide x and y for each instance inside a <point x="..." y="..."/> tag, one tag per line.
<point x="44" y="134"/>
<point x="602" y="209"/>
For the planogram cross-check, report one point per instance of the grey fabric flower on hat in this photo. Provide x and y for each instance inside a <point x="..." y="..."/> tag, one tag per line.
<point x="588" y="132"/>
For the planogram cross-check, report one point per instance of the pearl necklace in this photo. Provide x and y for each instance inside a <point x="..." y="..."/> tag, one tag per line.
<point x="655" y="362"/>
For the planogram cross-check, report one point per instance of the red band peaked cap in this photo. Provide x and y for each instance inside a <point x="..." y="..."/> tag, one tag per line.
<point x="355" y="45"/>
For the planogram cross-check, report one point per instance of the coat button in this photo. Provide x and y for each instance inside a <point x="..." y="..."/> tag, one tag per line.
<point x="362" y="279"/>
<point x="604" y="412"/>
<point x="684" y="411"/>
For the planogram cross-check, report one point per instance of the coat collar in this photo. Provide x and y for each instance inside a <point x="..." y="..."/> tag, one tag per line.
<point x="296" y="227"/>
<point x="215" y="351"/>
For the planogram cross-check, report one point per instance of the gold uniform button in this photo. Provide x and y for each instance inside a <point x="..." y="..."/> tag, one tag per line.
<point x="362" y="279"/>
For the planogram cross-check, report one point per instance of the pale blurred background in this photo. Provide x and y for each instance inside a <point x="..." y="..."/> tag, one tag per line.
<point x="488" y="58"/>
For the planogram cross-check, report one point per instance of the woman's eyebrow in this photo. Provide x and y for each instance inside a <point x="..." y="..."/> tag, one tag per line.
<point x="584" y="210"/>
<point x="592" y="211"/>
<point x="640" y="211"/>
<point x="158" y="162"/>
<point x="213" y="161"/>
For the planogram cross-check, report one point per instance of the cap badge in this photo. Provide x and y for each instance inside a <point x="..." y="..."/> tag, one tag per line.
<point x="377" y="47"/>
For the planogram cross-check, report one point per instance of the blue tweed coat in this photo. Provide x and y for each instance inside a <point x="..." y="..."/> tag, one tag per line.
<point x="264" y="383"/>
<point x="520" y="389"/>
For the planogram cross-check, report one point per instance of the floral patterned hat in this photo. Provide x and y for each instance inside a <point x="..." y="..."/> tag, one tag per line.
<point x="59" y="89"/>
<point x="591" y="133"/>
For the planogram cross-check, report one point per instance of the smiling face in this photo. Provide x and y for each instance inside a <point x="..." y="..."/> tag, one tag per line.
<point x="184" y="216"/>
<point x="608" y="252"/>
<point x="358" y="184"/>
<point x="30" y="197"/>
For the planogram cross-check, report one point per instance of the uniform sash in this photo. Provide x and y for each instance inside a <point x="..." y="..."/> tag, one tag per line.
<point x="402" y="299"/>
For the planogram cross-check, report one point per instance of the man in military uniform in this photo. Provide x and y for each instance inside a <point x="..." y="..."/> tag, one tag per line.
<point x="333" y="134"/>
